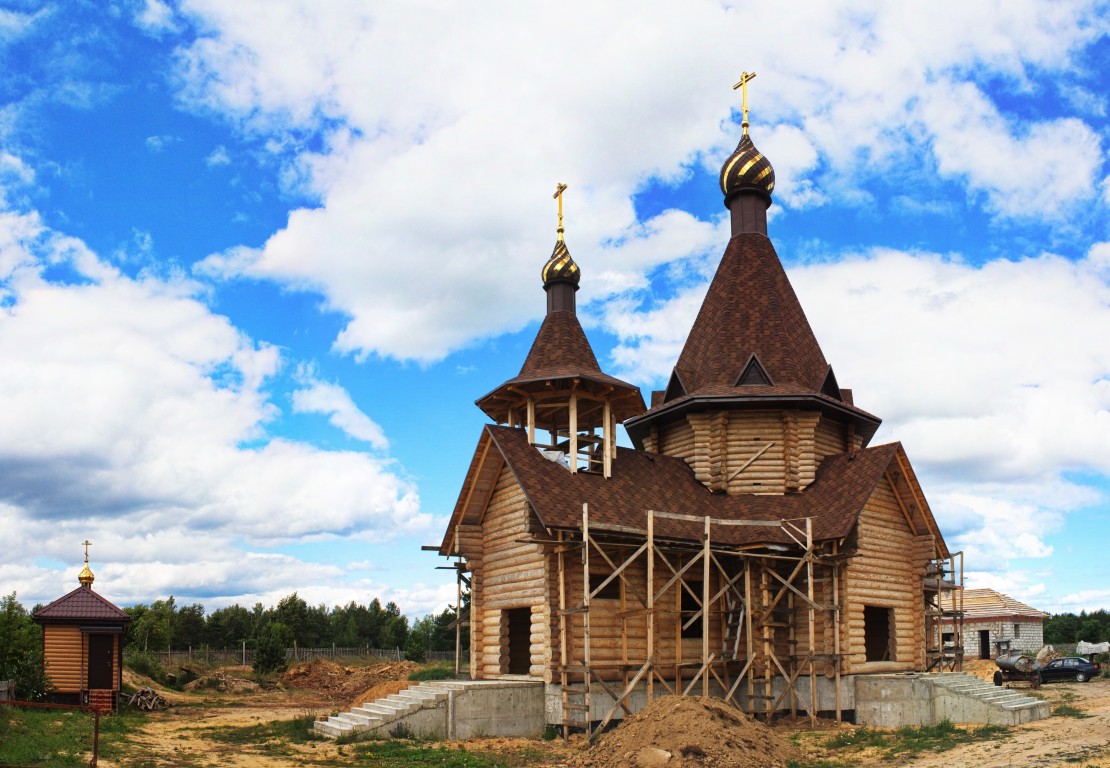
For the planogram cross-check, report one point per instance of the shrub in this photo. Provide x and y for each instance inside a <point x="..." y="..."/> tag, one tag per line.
<point x="269" y="652"/>
<point x="145" y="663"/>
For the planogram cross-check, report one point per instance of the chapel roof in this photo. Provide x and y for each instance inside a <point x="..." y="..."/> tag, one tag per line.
<point x="81" y="604"/>
<point x="641" y="481"/>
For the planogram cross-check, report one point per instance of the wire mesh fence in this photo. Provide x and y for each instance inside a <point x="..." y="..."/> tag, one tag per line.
<point x="245" y="656"/>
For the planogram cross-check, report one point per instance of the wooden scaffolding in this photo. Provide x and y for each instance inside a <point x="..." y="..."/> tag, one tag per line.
<point x="757" y="608"/>
<point x="944" y="613"/>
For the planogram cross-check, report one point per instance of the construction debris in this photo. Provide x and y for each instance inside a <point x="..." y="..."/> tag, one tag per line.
<point x="148" y="699"/>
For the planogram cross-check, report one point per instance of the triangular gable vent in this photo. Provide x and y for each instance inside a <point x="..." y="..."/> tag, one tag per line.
<point x="753" y="375"/>
<point x="674" y="387"/>
<point x="830" y="387"/>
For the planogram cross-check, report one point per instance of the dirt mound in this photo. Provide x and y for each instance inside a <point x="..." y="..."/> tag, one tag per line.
<point x="345" y="684"/>
<point x="221" y="681"/>
<point x="680" y="732"/>
<point x="983" y="669"/>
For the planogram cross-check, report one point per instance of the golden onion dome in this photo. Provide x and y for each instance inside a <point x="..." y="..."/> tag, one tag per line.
<point x="747" y="170"/>
<point x="86" y="576"/>
<point x="560" y="267"/>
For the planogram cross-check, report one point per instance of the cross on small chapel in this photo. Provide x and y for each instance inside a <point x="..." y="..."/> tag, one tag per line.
<point x="743" y="85"/>
<point x="560" y="188"/>
<point x="87" y="544"/>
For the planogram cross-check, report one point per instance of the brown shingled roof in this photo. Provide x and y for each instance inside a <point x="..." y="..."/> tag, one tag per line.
<point x="562" y="351"/>
<point x="751" y="308"/>
<point x="989" y="605"/>
<point x="643" y="481"/>
<point x="82" y="604"/>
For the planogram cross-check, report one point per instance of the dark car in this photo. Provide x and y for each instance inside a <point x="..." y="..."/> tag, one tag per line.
<point x="1069" y="668"/>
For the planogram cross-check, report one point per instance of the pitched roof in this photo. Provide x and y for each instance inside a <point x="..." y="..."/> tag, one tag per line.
<point x="562" y="351"/>
<point x="751" y="308"/>
<point x="641" y="481"/>
<point x="989" y="605"/>
<point x="82" y="604"/>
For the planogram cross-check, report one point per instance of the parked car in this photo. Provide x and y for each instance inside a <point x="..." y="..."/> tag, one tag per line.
<point x="1069" y="668"/>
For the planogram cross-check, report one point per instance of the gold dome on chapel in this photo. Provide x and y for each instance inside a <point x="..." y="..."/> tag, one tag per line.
<point x="86" y="576"/>
<point x="560" y="267"/>
<point x="747" y="170"/>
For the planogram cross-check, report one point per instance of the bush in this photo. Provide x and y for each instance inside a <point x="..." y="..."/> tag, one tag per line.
<point x="435" y="672"/>
<point x="31" y="681"/>
<point x="269" y="651"/>
<point x="415" y="649"/>
<point x="145" y="663"/>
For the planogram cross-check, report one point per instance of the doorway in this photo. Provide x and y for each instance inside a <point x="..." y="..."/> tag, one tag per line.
<point x="100" y="662"/>
<point x="878" y="635"/>
<point x="984" y="643"/>
<point x="520" y="640"/>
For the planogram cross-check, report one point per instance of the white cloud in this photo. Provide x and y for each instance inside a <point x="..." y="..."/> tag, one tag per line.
<point x="334" y="402"/>
<point x="130" y="407"/>
<point x="434" y="181"/>
<point x="218" y="156"/>
<point x="156" y="18"/>
<point x="160" y="143"/>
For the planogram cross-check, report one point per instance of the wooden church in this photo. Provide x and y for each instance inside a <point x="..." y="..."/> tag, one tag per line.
<point x="753" y="546"/>
<point x="82" y="645"/>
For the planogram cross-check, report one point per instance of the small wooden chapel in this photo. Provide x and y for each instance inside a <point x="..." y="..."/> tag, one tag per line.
<point x="82" y="645"/>
<point x="752" y="545"/>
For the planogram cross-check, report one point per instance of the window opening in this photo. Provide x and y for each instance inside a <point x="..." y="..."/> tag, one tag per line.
<point x="519" y="639"/>
<point x="690" y="606"/>
<point x="612" y="590"/>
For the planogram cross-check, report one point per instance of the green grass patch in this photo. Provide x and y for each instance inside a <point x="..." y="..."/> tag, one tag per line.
<point x="910" y="741"/>
<point x="298" y="730"/>
<point x="48" y="737"/>
<point x="1069" y="710"/>
<point x="819" y="764"/>
<point x="399" y="754"/>
<point x="434" y="672"/>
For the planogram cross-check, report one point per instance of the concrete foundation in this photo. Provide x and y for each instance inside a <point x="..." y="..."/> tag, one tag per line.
<point x="894" y="701"/>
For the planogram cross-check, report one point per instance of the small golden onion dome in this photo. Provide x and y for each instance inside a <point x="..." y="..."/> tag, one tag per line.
<point x="747" y="170"/>
<point x="86" y="576"/>
<point x="560" y="267"/>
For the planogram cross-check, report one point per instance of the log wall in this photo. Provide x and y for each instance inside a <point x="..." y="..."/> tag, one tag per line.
<point x="511" y="574"/>
<point x="886" y="573"/>
<point x="65" y="651"/>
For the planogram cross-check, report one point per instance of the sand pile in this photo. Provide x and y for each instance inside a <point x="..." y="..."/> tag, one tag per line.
<point x="983" y="669"/>
<point x="349" y="684"/>
<point x="221" y="681"/>
<point x="677" y="732"/>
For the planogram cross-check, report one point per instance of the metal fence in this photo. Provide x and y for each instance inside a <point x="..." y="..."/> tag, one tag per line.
<point x="245" y="656"/>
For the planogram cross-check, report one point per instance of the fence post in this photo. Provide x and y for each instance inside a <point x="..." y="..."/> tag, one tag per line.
<point x="244" y="653"/>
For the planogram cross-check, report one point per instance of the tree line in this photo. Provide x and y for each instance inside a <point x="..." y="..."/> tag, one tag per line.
<point x="1067" y="628"/>
<point x="164" y="625"/>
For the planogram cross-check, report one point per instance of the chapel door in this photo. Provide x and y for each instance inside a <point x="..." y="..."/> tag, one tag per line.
<point x="100" y="662"/>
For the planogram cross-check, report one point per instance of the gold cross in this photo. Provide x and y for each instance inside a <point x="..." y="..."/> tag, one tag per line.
<point x="743" y="85"/>
<point x="87" y="544"/>
<point x="560" y="188"/>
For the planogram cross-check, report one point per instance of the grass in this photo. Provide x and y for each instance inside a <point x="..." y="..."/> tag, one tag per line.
<point x="434" y="672"/>
<point x="911" y="741"/>
<point x="60" y="737"/>
<point x="298" y="730"/>
<point x="400" y="754"/>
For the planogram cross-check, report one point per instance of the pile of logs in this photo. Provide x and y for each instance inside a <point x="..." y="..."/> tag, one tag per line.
<point x="146" y="698"/>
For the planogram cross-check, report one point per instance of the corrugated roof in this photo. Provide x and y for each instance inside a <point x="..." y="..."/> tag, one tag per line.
<point x="81" y="604"/>
<point x="641" y="481"/>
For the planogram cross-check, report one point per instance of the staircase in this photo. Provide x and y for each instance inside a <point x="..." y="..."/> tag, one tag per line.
<point x="915" y="699"/>
<point x="447" y="709"/>
<point x="1012" y="708"/>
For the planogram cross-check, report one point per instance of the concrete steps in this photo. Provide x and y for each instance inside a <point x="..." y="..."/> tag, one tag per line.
<point x="1017" y="707"/>
<point x="929" y="698"/>
<point x="387" y="712"/>
<point x="447" y="709"/>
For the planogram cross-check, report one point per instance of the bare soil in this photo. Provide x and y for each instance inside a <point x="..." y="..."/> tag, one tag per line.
<point x="674" y="734"/>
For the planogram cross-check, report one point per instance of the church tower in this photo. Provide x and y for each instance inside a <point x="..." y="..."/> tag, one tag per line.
<point x="752" y="405"/>
<point x="568" y="406"/>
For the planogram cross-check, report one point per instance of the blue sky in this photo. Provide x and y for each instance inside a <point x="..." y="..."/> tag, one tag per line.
<point x="257" y="260"/>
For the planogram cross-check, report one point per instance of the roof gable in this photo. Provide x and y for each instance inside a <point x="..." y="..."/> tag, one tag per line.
<point x="643" y="481"/>
<point x="754" y="374"/>
<point x="81" y="604"/>
<point x="751" y="309"/>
